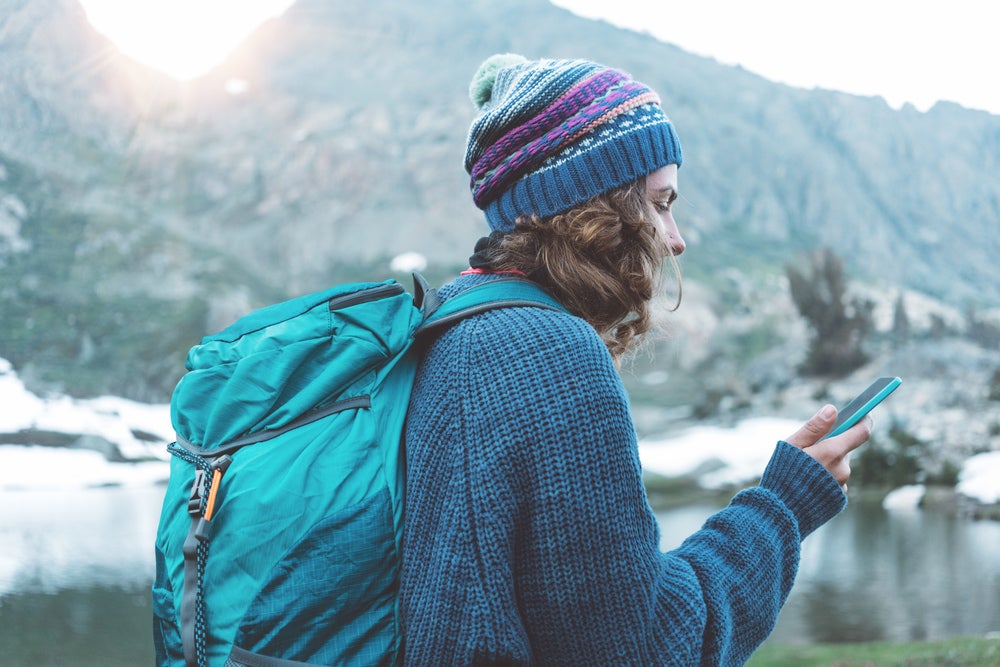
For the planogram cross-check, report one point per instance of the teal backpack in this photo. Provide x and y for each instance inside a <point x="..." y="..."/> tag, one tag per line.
<point x="280" y="535"/>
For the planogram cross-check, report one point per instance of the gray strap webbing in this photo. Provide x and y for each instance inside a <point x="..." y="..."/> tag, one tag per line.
<point x="189" y="598"/>
<point x="503" y="293"/>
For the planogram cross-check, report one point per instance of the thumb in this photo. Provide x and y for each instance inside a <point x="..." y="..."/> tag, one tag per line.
<point x="814" y="429"/>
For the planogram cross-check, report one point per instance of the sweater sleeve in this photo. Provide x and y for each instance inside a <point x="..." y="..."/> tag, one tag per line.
<point x="745" y="557"/>
<point x="563" y="545"/>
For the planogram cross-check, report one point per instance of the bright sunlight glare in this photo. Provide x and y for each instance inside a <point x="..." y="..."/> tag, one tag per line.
<point x="183" y="38"/>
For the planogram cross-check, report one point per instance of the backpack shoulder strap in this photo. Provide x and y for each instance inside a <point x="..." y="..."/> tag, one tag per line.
<point x="510" y="292"/>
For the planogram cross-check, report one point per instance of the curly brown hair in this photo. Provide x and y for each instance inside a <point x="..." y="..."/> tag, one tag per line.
<point x="602" y="260"/>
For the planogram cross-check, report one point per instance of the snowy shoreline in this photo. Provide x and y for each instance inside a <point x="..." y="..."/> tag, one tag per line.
<point x="136" y="434"/>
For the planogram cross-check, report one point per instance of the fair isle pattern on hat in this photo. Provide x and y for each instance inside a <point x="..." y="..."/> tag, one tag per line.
<point x="547" y="123"/>
<point x="555" y="133"/>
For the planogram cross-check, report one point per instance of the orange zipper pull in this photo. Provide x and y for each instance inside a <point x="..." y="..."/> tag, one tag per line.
<point x="219" y="468"/>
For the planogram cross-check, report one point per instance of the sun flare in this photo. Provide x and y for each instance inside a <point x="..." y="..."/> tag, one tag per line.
<point x="183" y="38"/>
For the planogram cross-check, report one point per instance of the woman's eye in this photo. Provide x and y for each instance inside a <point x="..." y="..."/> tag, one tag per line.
<point x="662" y="206"/>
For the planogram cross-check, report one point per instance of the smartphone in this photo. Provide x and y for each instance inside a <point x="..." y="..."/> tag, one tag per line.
<point x="863" y="403"/>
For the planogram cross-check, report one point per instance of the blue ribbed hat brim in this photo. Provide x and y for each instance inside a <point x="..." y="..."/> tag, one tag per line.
<point x="607" y="165"/>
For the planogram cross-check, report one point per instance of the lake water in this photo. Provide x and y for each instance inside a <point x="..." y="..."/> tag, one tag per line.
<point x="872" y="574"/>
<point x="76" y="566"/>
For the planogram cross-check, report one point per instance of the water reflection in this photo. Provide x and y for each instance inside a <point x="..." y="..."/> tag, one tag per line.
<point x="59" y="539"/>
<point x="77" y="565"/>
<point x="899" y="575"/>
<point x="873" y="575"/>
<point x="80" y="627"/>
<point x="75" y="572"/>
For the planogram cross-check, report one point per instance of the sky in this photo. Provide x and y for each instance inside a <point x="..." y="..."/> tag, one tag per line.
<point x="903" y="50"/>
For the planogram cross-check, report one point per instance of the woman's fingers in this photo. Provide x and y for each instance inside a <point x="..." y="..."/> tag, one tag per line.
<point x="814" y="429"/>
<point x="832" y="453"/>
<point x="849" y="440"/>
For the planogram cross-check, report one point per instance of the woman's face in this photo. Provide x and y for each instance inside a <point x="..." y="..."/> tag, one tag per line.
<point x="661" y="191"/>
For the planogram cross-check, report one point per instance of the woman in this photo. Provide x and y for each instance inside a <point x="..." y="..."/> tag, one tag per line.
<point x="529" y="539"/>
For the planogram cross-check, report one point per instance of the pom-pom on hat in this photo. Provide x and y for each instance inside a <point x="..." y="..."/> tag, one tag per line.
<point x="552" y="134"/>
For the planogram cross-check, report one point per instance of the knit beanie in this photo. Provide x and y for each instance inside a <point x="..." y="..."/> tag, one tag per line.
<point x="552" y="134"/>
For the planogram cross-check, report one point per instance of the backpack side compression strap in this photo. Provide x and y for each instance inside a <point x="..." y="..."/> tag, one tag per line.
<point x="502" y="293"/>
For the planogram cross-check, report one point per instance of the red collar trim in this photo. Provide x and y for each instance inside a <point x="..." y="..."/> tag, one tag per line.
<point x="486" y="272"/>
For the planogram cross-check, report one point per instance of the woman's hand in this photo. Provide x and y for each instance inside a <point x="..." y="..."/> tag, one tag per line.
<point x="832" y="453"/>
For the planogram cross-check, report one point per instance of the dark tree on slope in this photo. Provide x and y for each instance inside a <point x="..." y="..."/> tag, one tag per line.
<point x="839" y="326"/>
<point x="900" y="320"/>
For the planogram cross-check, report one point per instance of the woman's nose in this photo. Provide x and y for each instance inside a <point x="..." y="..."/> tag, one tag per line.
<point x="674" y="240"/>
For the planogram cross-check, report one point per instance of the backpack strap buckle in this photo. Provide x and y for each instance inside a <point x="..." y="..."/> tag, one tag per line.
<point x="198" y="488"/>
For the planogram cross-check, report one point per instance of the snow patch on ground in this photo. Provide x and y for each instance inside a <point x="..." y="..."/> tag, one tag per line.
<point x="715" y="456"/>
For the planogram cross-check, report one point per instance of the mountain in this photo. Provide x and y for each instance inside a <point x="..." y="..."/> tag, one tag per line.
<point x="138" y="213"/>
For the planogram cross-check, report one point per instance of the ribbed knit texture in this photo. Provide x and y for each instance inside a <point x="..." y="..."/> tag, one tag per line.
<point x="529" y="539"/>
<point x="555" y="133"/>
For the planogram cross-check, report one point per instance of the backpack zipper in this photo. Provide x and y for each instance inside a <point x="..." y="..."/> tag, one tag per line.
<point x="365" y="296"/>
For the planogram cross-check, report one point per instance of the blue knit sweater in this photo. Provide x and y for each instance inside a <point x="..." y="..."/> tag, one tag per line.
<point x="529" y="539"/>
